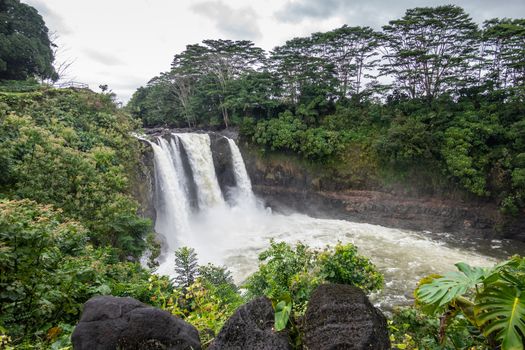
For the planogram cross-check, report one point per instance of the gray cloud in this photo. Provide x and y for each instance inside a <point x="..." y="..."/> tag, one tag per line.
<point x="297" y="11"/>
<point x="54" y="22"/>
<point x="104" y="58"/>
<point x="376" y="13"/>
<point x="239" y="23"/>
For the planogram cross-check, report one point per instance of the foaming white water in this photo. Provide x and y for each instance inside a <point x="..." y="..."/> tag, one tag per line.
<point x="198" y="149"/>
<point x="244" y="195"/>
<point x="172" y="213"/>
<point x="234" y="235"/>
<point x="179" y="168"/>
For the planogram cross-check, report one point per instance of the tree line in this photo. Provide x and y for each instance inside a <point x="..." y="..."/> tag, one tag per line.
<point x="426" y="54"/>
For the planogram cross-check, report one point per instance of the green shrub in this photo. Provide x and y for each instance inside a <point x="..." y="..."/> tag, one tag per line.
<point x="85" y="143"/>
<point x="205" y="296"/>
<point x="289" y="133"/>
<point x="291" y="274"/>
<point x="345" y="266"/>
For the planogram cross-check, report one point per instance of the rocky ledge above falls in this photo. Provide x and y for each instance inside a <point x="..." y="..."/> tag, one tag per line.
<point x="286" y="185"/>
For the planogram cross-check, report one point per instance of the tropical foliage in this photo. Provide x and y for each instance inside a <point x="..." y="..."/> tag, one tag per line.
<point x="206" y="298"/>
<point x="49" y="269"/>
<point x="69" y="227"/>
<point x="73" y="150"/>
<point x="185" y="267"/>
<point x="492" y="300"/>
<point x="287" y="275"/>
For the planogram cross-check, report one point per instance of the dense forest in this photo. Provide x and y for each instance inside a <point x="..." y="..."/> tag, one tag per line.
<point x="431" y="93"/>
<point x="432" y="90"/>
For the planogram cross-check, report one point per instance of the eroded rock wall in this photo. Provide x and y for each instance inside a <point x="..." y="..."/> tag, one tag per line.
<point x="286" y="184"/>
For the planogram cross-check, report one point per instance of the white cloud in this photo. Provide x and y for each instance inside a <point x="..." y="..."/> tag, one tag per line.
<point x="237" y="23"/>
<point x="107" y="59"/>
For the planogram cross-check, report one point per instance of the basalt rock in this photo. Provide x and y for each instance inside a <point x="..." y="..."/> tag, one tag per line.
<point x="341" y="317"/>
<point x="287" y="184"/>
<point x="251" y="327"/>
<point x="109" y="323"/>
<point x="223" y="162"/>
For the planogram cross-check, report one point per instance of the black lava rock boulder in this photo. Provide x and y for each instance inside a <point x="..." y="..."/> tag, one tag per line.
<point x="109" y="323"/>
<point x="251" y="328"/>
<point x="341" y="317"/>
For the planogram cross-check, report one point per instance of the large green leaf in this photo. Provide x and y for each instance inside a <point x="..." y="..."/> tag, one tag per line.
<point x="282" y="315"/>
<point x="452" y="285"/>
<point x="502" y="309"/>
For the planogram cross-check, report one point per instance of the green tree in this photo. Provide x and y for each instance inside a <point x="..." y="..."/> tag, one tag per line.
<point x="303" y="75"/>
<point x="352" y="51"/>
<point x="25" y="47"/>
<point x="48" y="270"/>
<point x="222" y="61"/>
<point x="503" y="50"/>
<point x="158" y="104"/>
<point x="186" y="267"/>
<point x="431" y="51"/>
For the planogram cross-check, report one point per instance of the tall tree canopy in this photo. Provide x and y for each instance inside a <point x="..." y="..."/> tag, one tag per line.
<point x="215" y="63"/>
<point x="504" y="50"/>
<point x="431" y="50"/>
<point x="25" y="47"/>
<point x="352" y="51"/>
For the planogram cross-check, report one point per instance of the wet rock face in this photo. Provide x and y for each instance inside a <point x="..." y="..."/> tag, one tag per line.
<point x="125" y="323"/>
<point x="192" y="186"/>
<point x="251" y="327"/>
<point x="341" y="317"/>
<point x="223" y="162"/>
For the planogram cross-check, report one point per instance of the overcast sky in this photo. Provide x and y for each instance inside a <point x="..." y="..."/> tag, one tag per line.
<point x="124" y="43"/>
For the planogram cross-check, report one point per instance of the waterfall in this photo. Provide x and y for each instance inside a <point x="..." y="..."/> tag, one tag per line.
<point x="184" y="177"/>
<point x="173" y="209"/>
<point x="198" y="148"/>
<point x="244" y="195"/>
<point x="173" y="184"/>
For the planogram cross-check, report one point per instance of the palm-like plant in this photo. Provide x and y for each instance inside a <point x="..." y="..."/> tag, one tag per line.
<point x="491" y="299"/>
<point x="186" y="267"/>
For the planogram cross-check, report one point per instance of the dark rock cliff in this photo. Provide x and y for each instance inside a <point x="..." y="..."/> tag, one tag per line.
<point x="288" y="185"/>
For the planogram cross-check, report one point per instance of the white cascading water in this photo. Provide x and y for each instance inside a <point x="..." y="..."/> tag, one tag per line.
<point x="198" y="148"/>
<point x="235" y="235"/>
<point x="179" y="168"/>
<point x="172" y="212"/>
<point x="244" y="194"/>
